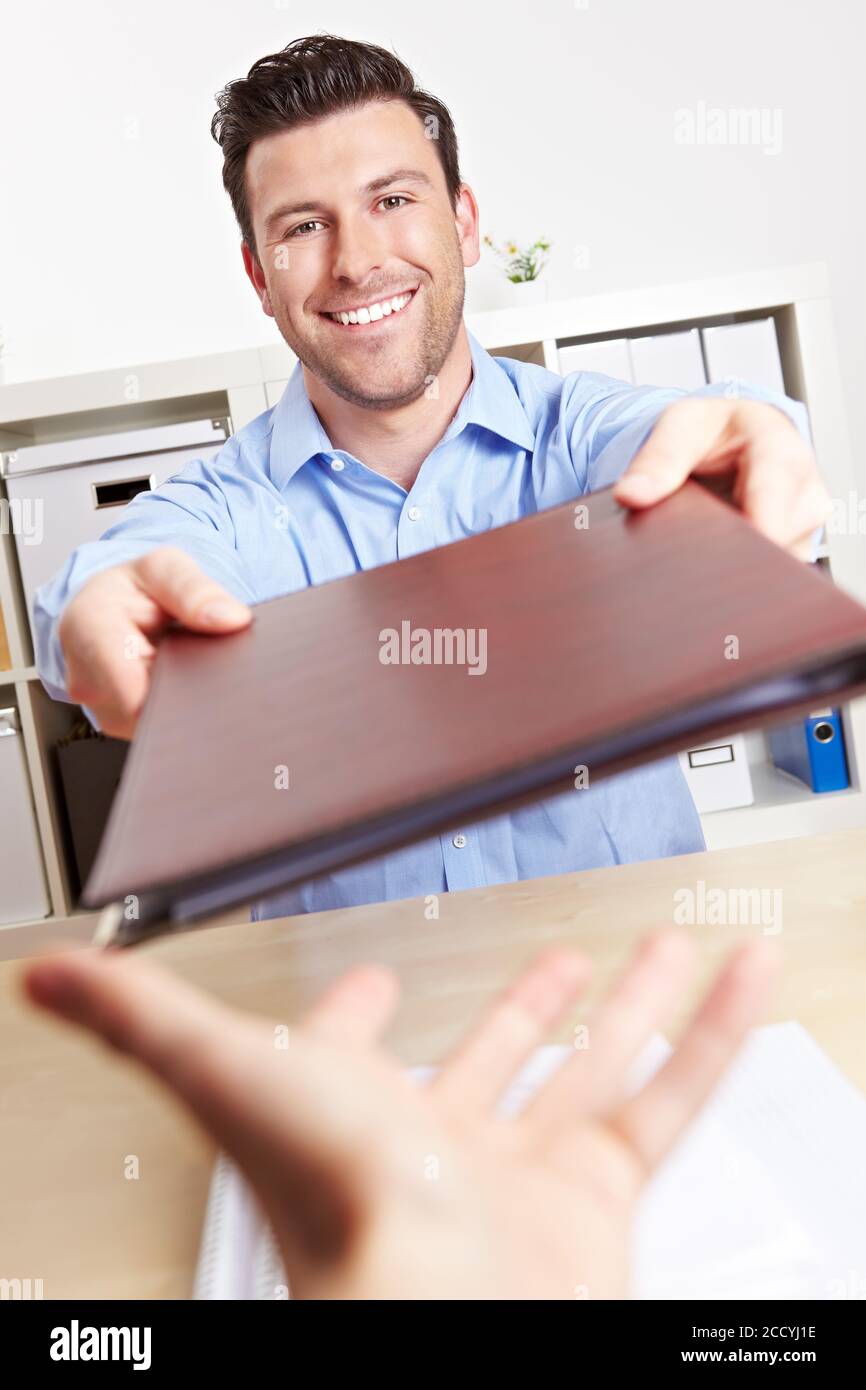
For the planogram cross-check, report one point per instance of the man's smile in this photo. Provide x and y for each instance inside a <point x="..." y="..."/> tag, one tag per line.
<point x="370" y="315"/>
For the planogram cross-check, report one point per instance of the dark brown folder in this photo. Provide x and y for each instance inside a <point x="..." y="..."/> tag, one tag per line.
<point x="612" y="638"/>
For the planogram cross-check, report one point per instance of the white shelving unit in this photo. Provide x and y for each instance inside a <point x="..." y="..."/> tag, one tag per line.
<point x="243" y="384"/>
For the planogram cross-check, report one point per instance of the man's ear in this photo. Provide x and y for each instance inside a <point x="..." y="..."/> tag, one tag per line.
<point x="466" y="218"/>
<point x="256" y="278"/>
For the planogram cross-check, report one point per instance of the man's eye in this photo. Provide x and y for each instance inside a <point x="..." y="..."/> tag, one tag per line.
<point x="295" y="230"/>
<point x="395" y="198"/>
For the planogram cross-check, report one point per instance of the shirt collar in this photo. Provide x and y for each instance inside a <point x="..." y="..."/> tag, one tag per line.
<point x="491" y="402"/>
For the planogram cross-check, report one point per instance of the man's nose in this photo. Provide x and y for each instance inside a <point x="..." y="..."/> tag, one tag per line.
<point x="358" y="250"/>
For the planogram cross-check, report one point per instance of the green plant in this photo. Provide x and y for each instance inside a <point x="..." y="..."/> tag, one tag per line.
<point x="521" y="265"/>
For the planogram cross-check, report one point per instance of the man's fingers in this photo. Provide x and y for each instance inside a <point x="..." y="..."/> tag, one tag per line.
<point x="782" y="495"/>
<point x="356" y="1008"/>
<point x="110" y="629"/>
<point x="108" y="663"/>
<point x="182" y="589"/>
<point x="476" y="1074"/>
<point x="776" y="482"/>
<point x="654" y="1119"/>
<point x="684" y="433"/>
<point x="641" y="1001"/>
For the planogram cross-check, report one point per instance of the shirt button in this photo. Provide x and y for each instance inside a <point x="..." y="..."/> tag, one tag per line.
<point x="414" y="513"/>
<point x="459" y="842"/>
<point x="338" y="465"/>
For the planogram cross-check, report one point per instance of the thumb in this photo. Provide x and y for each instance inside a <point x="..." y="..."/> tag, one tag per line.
<point x="684" y="435"/>
<point x="272" y="1109"/>
<point x="183" y="591"/>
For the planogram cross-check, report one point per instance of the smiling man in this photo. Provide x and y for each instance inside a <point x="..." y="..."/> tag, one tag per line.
<point x="396" y="433"/>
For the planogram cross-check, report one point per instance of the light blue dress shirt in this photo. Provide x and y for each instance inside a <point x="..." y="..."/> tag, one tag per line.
<point x="278" y="509"/>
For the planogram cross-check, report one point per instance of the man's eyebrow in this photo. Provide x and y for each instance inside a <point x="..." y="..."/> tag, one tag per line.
<point x="398" y="176"/>
<point x="384" y="181"/>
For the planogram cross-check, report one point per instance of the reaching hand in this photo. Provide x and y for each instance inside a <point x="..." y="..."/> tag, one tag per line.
<point x="379" y="1188"/>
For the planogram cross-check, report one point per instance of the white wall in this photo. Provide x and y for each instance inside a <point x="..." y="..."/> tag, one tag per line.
<point x="117" y="243"/>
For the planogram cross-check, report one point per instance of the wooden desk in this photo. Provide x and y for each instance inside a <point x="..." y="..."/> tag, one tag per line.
<point x="72" y="1113"/>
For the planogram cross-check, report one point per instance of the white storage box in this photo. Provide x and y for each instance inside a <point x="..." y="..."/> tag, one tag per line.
<point x="69" y="492"/>
<point x="718" y="775"/>
<point x="23" y="891"/>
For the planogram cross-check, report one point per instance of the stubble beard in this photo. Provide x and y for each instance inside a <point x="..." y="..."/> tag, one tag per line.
<point x="409" y="379"/>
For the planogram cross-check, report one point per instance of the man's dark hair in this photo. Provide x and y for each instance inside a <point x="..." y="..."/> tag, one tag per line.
<point x="308" y="79"/>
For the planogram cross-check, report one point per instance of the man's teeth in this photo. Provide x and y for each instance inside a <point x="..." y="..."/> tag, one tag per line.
<point x="373" y="311"/>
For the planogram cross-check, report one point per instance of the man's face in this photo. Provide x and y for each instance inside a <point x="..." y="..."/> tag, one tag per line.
<point x="350" y="212"/>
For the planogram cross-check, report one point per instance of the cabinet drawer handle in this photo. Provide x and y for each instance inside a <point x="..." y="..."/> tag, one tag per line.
<point x="118" y="493"/>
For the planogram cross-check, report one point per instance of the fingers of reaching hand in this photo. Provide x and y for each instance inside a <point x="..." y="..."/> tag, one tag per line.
<point x="356" y="1008"/>
<point x="477" y="1073"/>
<point x="591" y="1085"/>
<point x="642" y="1000"/>
<point x="653" y="1120"/>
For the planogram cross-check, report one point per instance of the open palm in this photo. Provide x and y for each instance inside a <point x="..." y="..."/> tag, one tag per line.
<point x="377" y="1187"/>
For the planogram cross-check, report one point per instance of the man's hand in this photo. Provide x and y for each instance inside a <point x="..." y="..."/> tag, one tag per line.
<point x="110" y="630"/>
<point x="749" y="447"/>
<point x="378" y="1188"/>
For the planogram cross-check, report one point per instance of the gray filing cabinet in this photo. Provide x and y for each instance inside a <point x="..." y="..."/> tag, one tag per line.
<point x="23" y="891"/>
<point x="65" y="493"/>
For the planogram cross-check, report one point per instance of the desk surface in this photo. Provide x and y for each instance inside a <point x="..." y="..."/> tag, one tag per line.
<point x="72" y="1113"/>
